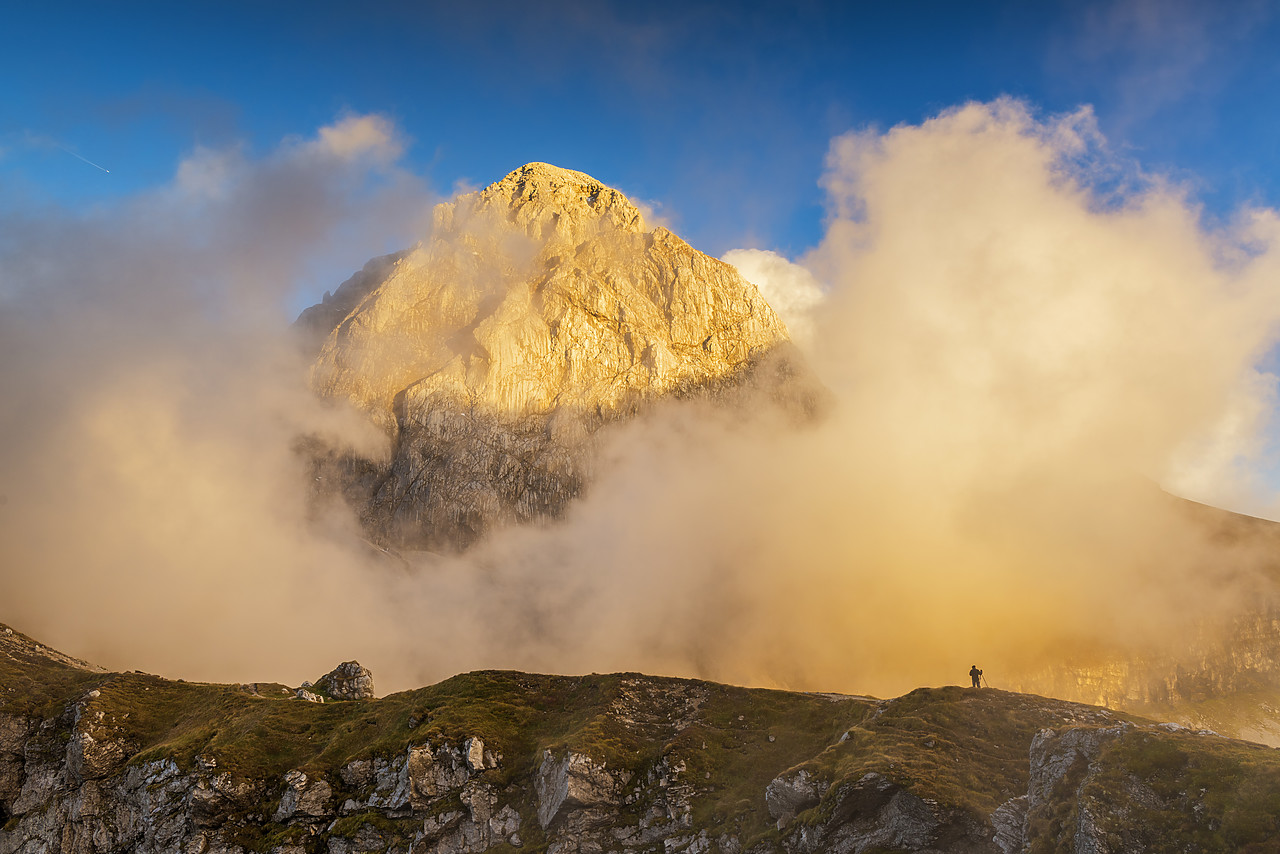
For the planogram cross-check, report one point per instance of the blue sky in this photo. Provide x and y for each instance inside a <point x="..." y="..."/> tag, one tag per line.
<point x="721" y="114"/>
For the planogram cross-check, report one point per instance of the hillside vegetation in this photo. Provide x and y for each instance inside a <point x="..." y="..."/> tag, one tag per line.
<point x="502" y="761"/>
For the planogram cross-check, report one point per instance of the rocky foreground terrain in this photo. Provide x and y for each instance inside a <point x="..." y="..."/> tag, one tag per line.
<point x="501" y="761"/>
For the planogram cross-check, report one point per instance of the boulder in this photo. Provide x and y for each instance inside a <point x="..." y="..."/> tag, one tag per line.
<point x="347" y="681"/>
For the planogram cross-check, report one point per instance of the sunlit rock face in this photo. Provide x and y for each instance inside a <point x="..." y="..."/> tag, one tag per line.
<point x="540" y="309"/>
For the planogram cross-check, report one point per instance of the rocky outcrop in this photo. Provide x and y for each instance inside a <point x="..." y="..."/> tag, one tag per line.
<point x="876" y="814"/>
<point x="1062" y="765"/>
<point x="95" y="763"/>
<point x="347" y="681"/>
<point x="574" y="780"/>
<point x="1219" y="671"/>
<point x="540" y="310"/>
<point x="1221" y="660"/>
<point x="786" y="796"/>
<point x="159" y="807"/>
<point x="316" y="322"/>
<point x="1225" y="677"/>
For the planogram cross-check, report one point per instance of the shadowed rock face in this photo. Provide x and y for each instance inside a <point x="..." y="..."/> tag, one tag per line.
<point x="540" y="310"/>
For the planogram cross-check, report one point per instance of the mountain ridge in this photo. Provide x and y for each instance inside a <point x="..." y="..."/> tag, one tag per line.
<point x="538" y="311"/>
<point x="503" y="761"/>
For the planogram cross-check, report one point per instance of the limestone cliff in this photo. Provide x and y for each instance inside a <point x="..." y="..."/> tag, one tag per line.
<point x="99" y="763"/>
<point x="540" y="309"/>
<point x="1221" y="673"/>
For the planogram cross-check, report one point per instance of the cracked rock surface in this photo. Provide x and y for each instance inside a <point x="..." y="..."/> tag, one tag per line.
<point x="538" y="311"/>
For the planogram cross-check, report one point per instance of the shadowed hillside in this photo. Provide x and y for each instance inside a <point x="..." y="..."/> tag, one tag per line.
<point x="504" y="761"/>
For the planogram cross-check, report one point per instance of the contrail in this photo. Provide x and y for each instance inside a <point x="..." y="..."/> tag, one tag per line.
<point x="78" y="157"/>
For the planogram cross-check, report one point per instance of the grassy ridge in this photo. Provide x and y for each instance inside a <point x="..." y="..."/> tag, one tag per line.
<point x="719" y="745"/>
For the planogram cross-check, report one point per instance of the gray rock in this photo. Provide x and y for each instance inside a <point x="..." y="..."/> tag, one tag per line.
<point x="1009" y="821"/>
<point x="473" y="748"/>
<point x="574" y="780"/>
<point x="434" y="773"/>
<point x="786" y="796"/>
<point x="304" y="797"/>
<point x="347" y="681"/>
<point x="357" y="774"/>
<point x="89" y="758"/>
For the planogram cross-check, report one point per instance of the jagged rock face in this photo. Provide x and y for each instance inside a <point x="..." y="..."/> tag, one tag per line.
<point x="544" y="291"/>
<point x="1236" y="658"/>
<point x="539" y="310"/>
<point x="316" y="322"/>
<point x="348" y="681"/>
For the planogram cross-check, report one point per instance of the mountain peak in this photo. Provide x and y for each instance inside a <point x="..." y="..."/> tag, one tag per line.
<point x="538" y="310"/>
<point x="541" y="291"/>
<point x="549" y="203"/>
<point x="538" y="171"/>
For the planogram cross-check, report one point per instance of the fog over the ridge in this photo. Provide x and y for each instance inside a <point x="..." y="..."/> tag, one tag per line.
<point x="153" y="513"/>
<point x="1015" y="359"/>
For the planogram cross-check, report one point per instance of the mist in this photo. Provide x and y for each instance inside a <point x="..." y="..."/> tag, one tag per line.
<point x="1025" y="338"/>
<point x="153" y="513"/>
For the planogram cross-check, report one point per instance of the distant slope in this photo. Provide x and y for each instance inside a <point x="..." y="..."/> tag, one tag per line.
<point x="500" y="761"/>
<point x="1224" y="675"/>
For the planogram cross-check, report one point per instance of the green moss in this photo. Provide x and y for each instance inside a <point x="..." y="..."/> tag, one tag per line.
<point x="739" y="756"/>
<point x="1219" y="794"/>
<point x="955" y="745"/>
<point x="268" y="837"/>
<point x="392" y="830"/>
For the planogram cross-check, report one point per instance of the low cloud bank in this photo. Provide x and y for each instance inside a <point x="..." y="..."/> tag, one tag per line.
<point x="1018" y="360"/>
<point x="154" y="515"/>
<point x="1015" y="357"/>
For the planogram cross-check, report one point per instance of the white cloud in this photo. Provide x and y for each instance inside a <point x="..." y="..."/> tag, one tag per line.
<point x="207" y="173"/>
<point x="156" y="513"/>
<point x="354" y="137"/>
<point x="790" y="288"/>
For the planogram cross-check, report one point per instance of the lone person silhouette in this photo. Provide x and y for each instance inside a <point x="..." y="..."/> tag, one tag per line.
<point x="976" y="675"/>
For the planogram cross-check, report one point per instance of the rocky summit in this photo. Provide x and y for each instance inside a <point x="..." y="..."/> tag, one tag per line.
<point x="539" y="310"/>
<point x="94" y="762"/>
